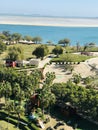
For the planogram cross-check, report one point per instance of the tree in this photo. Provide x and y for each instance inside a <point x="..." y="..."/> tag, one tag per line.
<point x="2" y="37"/>
<point x="65" y="41"/>
<point x="78" y="46"/>
<point x="85" y="47"/>
<point x="16" y="37"/>
<point x="16" y="91"/>
<point x="92" y="44"/>
<point x="7" y="34"/>
<point x="76" y="78"/>
<point x="46" y="97"/>
<point x="28" y="38"/>
<point x="15" y="53"/>
<point x="6" y="90"/>
<point x="37" y="39"/>
<point x="49" y="78"/>
<point x="49" y="42"/>
<point x="57" y="50"/>
<point x="41" y="51"/>
<point x="2" y="47"/>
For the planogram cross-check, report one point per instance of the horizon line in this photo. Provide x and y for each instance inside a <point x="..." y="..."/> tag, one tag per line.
<point x="42" y="15"/>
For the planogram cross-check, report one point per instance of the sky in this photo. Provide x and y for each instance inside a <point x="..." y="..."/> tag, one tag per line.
<point x="71" y="8"/>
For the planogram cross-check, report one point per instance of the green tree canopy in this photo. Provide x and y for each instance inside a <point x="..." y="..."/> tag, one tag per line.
<point x="37" y="39"/>
<point x="64" y="41"/>
<point x="2" y="47"/>
<point x="7" y="34"/>
<point x="57" y="50"/>
<point x="16" y="37"/>
<point x="41" y="51"/>
<point x="15" y="53"/>
<point x="2" y="37"/>
<point x="28" y="38"/>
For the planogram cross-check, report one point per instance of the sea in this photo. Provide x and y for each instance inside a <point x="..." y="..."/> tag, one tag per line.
<point x="81" y="35"/>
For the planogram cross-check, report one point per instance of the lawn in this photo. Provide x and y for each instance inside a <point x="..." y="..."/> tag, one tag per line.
<point x="69" y="57"/>
<point x="27" y="49"/>
<point x="4" y="124"/>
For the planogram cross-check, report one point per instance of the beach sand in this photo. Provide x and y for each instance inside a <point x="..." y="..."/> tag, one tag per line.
<point x="49" y="21"/>
<point x="84" y="69"/>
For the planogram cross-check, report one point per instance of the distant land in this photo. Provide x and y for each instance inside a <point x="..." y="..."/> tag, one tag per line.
<point x="40" y="20"/>
<point x="40" y="15"/>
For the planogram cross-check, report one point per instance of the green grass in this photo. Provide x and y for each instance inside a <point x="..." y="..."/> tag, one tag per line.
<point x="27" y="49"/>
<point x="4" y="125"/>
<point x="69" y="57"/>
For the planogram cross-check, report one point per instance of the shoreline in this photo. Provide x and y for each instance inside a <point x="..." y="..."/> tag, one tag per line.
<point x="28" y="24"/>
<point x="49" y="21"/>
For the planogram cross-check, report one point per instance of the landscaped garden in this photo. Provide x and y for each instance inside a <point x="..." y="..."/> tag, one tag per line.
<point x="69" y="57"/>
<point x="29" y="96"/>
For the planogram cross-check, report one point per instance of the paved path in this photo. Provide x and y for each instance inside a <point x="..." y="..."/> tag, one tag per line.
<point x="43" y="62"/>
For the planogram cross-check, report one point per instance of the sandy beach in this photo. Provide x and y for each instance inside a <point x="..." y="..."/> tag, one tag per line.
<point x="49" y="21"/>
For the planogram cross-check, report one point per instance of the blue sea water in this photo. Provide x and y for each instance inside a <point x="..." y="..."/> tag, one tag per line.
<point x="82" y="35"/>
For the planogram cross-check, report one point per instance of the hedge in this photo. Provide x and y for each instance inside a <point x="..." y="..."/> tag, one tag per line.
<point x="13" y="120"/>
